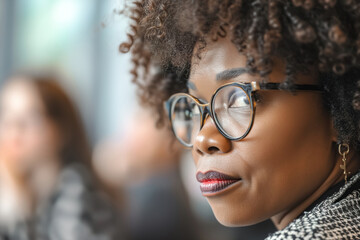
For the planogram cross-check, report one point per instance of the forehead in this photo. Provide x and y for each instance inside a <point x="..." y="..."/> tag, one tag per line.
<point x="221" y="56"/>
<point x="20" y="96"/>
<point x="219" y="62"/>
<point x="216" y="57"/>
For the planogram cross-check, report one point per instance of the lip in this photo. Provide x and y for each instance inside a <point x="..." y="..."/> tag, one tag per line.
<point x="212" y="182"/>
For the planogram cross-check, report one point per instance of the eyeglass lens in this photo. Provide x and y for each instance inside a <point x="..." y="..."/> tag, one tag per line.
<point x="231" y="110"/>
<point x="186" y="119"/>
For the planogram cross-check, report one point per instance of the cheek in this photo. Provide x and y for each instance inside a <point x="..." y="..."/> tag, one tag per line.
<point x="43" y="142"/>
<point x="29" y="147"/>
<point x="283" y="160"/>
<point x="296" y="130"/>
<point x="288" y="152"/>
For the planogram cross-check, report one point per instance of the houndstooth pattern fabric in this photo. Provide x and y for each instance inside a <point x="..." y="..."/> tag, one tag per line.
<point x="76" y="211"/>
<point x="337" y="217"/>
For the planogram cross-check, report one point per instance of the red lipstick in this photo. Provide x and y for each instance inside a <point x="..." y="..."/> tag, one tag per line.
<point x="213" y="182"/>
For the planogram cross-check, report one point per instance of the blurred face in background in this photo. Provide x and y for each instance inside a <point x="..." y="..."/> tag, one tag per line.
<point x="27" y="136"/>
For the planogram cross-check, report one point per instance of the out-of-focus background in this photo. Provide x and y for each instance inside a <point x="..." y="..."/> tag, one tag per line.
<point x="78" y="41"/>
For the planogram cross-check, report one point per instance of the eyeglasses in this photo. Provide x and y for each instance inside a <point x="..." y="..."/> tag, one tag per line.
<point x="232" y="107"/>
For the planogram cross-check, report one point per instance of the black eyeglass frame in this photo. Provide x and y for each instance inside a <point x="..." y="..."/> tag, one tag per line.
<point x="248" y="88"/>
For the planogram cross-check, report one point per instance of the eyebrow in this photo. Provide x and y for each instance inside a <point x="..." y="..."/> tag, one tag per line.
<point x="230" y="73"/>
<point x="223" y="76"/>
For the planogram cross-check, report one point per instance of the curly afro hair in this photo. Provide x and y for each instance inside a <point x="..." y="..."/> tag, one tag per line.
<point x="305" y="33"/>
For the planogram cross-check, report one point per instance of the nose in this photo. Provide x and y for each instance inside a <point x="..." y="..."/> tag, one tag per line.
<point x="210" y="141"/>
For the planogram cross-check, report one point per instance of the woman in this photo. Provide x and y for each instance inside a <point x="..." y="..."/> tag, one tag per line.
<point x="266" y="93"/>
<point x="48" y="190"/>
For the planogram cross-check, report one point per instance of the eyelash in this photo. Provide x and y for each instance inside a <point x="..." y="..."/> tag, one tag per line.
<point x="257" y="97"/>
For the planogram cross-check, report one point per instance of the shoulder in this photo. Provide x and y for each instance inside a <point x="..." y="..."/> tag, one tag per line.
<point x="79" y="209"/>
<point x="338" y="217"/>
<point x="73" y="184"/>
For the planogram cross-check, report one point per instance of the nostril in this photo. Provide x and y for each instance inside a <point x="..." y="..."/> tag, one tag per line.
<point x="213" y="149"/>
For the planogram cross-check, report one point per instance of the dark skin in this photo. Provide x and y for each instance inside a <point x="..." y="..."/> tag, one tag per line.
<point x="289" y="158"/>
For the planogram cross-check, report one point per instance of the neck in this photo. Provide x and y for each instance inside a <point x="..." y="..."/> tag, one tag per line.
<point x="283" y="219"/>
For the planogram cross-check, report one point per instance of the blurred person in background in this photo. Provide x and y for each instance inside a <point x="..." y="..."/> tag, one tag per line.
<point x="47" y="187"/>
<point x="144" y="163"/>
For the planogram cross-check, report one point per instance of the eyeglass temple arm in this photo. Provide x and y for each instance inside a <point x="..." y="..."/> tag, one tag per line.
<point x="277" y="86"/>
<point x="167" y="107"/>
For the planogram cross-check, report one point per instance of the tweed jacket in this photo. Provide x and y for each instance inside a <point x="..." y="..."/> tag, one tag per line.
<point x="337" y="217"/>
<point x="77" y="210"/>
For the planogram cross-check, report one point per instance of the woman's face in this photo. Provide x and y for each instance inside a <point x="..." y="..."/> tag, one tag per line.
<point x="27" y="136"/>
<point x="286" y="156"/>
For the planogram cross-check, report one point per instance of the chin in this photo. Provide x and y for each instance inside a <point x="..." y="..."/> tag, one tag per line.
<point x="234" y="221"/>
<point x="228" y="222"/>
<point x="231" y="216"/>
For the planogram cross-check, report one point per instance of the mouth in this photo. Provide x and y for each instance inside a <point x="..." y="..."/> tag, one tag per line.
<point x="213" y="182"/>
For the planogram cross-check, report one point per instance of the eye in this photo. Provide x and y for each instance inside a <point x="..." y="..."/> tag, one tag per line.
<point x="238" y="99"/>
<point x="186" y="110"/>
